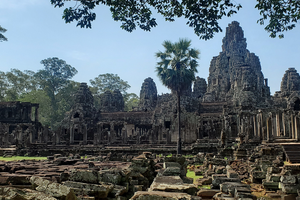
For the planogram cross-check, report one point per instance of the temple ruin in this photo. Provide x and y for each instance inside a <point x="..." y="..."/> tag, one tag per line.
<point x="234" y="104"/>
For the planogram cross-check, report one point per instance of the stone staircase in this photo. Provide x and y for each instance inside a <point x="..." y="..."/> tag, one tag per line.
<point x="292" y="152"/>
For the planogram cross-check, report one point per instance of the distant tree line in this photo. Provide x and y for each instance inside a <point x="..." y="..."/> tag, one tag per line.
<point x="54" y="90"/>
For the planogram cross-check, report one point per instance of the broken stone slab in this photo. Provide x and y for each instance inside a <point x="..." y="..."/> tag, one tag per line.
<point x="204" y="181"/>
<point x="288" y="179"/>
<point x="273" y="177"/>
<point x="110" y="176"/>
<point x="243" y="195"/>
<point x="222" y="196"/>
<point x="148" y="195"/>
<point x="232" y="174"/>
<point x="171" y="164"/>
<point x="170" y="171"/>
<point x="207" y="193"/>
<point x="119" y="190"/>
<point x="172" y="184"/>
<point x="217" y="181"/>
<point x="289" y="188"/>
<point x="97" y="190"/>
<point x="85" y="176"/>
<point x="269" y="185"/>
<point x="229" y="187"/>
<point x="54" y="189"/>
<point x="23" y="194"/>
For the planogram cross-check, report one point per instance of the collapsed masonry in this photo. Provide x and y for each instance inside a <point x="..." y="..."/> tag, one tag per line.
<point x="234" y="103"/>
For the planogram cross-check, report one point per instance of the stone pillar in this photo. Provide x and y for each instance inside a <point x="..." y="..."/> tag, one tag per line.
<point x="293" y="126"/>
<point x="72" y="134"/>
<point x="36" y="114"/>
<point x="254" y="126"/>
<point x="84" y="130"/>
<point x="283" y="125"/>
<point x="296" y="128"/>
<point x="277" y="125"/>
<point x="269" y="128"/>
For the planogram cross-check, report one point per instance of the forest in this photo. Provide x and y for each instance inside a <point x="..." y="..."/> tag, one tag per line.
<point x="53" y="89"/>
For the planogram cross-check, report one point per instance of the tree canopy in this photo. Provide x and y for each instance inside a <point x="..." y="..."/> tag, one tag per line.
<point x="2" y="37"/>
<point x="109" y="82"/>
<point x="202" y="15"/>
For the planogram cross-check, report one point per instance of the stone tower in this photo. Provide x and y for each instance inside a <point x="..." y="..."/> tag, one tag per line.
<point x="148" y="95"/>
<point x="290" y="82"/>
<point x="235" y="74"/>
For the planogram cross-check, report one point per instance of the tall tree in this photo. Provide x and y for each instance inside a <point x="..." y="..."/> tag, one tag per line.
<point x="202" y="15"/>
<point x="2" y="37"/>
<point x="53" y="78"/>
<point x="19" y="83"/>
<point x="176" y="70"/>
<point x="112" y="82"/>
<point x="109" y="82"/>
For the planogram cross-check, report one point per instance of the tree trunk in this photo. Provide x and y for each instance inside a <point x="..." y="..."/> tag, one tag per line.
<point x="179" y="127"/>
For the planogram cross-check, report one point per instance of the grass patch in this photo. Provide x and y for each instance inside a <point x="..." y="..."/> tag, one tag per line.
<point x="191" y="174"/>
<point x="16" y="158"/>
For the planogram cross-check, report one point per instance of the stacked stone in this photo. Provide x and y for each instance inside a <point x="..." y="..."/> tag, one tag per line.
<point x="170" y="183"/>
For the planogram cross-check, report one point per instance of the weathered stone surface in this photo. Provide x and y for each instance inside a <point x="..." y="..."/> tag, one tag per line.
<point x="288" y="179"/>
<point x="97" y="190"/>
<point x="156" y="195"/>
<point x="207" y="193"/>
<point x="8" y="193"/>
<point x="148" y="95"/>
<point x="172" y="184"/>
<point x="85" y="176"/>
<point x="289" y="188"/>
<point x="217" y="181"/>
<point x="229" y="187"/>
<point x="54" y="189"/>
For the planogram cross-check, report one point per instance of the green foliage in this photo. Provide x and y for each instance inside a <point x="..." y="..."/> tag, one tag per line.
<point x="2" y="37"/>
<point x="109" y="82"/>
<point x="131" y="101"/>
<point x="202" y="15"/>
<point x="18" y="158"/>
<point x="178" y="65"/>
<point x="54" y="79"/>
<point x="40" y="97"/>
<point x="19" y="83"/>
<point x="281" y="15"/>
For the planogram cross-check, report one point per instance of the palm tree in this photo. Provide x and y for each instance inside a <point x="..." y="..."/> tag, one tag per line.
<point x="2" y="37"/>
<point x="177" y="70"/>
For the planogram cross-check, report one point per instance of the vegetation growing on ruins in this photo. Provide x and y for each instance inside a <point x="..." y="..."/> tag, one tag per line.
<point x="277" y="15"/>
<point x="176" y="70"/>
<point x="53" y="90"/>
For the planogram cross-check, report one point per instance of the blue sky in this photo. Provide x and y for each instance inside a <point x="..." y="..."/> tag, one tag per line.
<point x="36" y="31"/>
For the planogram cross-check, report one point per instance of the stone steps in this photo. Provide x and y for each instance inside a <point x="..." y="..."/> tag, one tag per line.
<point x="292" y="152"/>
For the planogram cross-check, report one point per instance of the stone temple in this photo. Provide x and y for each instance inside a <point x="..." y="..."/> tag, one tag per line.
<point x="233" y="104"/>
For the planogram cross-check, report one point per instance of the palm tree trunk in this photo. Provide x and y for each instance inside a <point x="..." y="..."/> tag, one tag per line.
<point x="179" y="127"/>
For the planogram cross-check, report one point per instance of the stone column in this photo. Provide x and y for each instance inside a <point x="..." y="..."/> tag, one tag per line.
<point x="277" y="125"/>
<point x="84" y="130"/>
<point x="72" y="134"/>
<point x="283" y="125"/>
<point x="269" y="128"/>
<point x="293" y="126"/>
<point x="254" y="126"/>
<point x="296" y="128"/>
